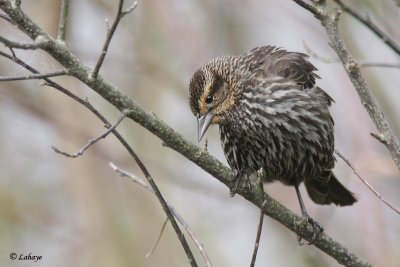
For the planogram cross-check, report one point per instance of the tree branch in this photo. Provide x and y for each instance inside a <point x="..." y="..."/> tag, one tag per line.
<point x="62" y="26"/>
<point x="35" y="76"/>
<point x="260" y="220"/>
<point x="366" y="21"/>
<point x="330" y="22"/>
<point x="110" y="33"/>
<point x="92" y="141"/>
<point x="314" y="10"/>
<point x="368" y="64"/>
<point x="159" y="236"/>
<point x="27" y="46"/>
<point x="376" y="193"/>
<point x="177" y="142"/>
<point x="361" y="63"/>
<point x="6" y="18"/>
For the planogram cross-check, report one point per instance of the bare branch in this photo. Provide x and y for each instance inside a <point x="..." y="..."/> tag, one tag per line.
<point x="12" y="53"/>
<point x="34" y="76"/>
<point x="370" y="25"/>
<point x="370" y="187"/>
<point x="330" y="22"/>
<point x="92" y="141"/>
<point x="55" y="85"/>
<point x="324" y="59"/>
<point x="6" y="18"/>
<point x="138" y="181"/>
<point x="309" y="7"/>
<point x="199" y="245"/>
<point x="110" y="33"/>
<point x="24" y="46"/>
<point x="260" y="223"/>
<point x="130" y="9"/>
<point x="379" y="137"/>
<point x="258" y="237"/>
<point x="361" y="63"/>
<point x="368" y="64"/>
<point x="158" y="239"/>
<point x="62" y="26"/>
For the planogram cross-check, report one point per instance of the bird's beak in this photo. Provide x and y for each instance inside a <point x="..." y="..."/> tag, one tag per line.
<point x="203" y="123"/>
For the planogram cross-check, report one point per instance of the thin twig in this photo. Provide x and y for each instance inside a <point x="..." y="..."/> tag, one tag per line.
<point x="380" y="137"/>
<point x="12" y="53"/>
<point x="140" y="182"/>
<point x="130" y="9"/>
<point x="309" y="7"/>
<point x="35" y="76"/>
<point x="361" y="63"/>
<point x="110" y="33"/>
<point x="49" y="82"/>
<point x="91" y="141"/>
<point x="258" y="237"/>
<point x="196" y="241"/>
<point x="63" y="23"/>
<point x="370" y="25"/>
<point x="6" y="18"/>
<point x="158" y="239"/>
<point x="260" y="222"/>
<point x="370" y="187"/>
<point x="369" y="64"/>
<point x="24" y="46"/>
<point x="323" y="59"/>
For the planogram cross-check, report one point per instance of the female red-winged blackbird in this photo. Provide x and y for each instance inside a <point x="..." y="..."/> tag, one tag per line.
<point x="271" y="115"/>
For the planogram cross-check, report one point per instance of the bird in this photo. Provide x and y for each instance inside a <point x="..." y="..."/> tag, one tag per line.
<point x="271" y="116"/>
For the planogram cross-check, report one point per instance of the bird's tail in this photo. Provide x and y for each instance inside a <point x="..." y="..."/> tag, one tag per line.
<point x="331" y="192"/>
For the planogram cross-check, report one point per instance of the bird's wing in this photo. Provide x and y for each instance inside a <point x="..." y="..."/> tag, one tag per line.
<point x="270" y="62"/>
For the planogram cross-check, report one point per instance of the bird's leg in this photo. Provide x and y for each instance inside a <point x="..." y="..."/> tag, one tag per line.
<point x="238" y="178"/>
<point x="316" y="226"/>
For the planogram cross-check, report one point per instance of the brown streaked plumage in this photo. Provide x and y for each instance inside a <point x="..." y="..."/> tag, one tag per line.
<point x="271" y="115"/>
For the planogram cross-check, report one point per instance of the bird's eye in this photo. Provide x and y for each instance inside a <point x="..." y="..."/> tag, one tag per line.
<point x="209" y="99"/>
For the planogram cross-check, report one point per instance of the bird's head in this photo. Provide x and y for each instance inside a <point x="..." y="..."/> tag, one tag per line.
<point x="211" y="94"/>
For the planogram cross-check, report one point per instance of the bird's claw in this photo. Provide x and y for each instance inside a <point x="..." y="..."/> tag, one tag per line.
<point x="233" y="189"/>
<point x="238" y="178"/>
<point x="317" y="229"/>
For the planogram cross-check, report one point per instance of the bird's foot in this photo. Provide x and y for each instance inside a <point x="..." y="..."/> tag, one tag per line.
<point x="317" y="229"/>
<point x="238" y="178"/>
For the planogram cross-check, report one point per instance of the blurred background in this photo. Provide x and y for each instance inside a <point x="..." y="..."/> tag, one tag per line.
<point x="78" y="212"/>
